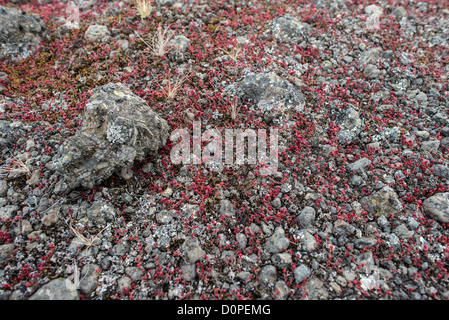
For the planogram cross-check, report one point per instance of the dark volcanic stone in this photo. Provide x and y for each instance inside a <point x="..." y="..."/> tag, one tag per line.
<point x="19" y="33"/>
<point x="118" y="128"/>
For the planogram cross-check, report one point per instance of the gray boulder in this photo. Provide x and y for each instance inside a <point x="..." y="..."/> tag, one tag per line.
<point x="307" y="241"/>
<point x="349" y="121"/>
<point x="180" y="42"/>
<point x="268" y="91"/>
<point x="118" y="128"/>
<point x="315" y="289"/>
<point x="382" y="202"/>
<point x="192" y="250"/>
<point x="89" y="279"/>
<point x="227" y="208"/>
<point x="301" y="273"/>
<point x="58" y="289"/>
<point x="97" y="32"/>
<point x="267" y="276"/>
<point x="165" y="3"/>
<point x="306" y="217"/>
<point x="441" y="171"/>
<point x="437" y="206"/>
<point x="360" y="165"/>
<point x="100" y="213"/>
<point x="430" y="146"/>
<point x="278" y="242"/>
<point x="289" y="29"/>
<point x="8" y="211"/>
<point x="19" y="33"/>
<point x="372" y="56"/>
<point x="3" y="188"/>
<point x="5" y="251"/>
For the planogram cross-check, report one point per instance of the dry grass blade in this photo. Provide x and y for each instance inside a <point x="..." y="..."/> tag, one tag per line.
<point x="172" y="89"/>
<point x="76" y="276"/>
<point x="87" y="241"/>
<point x="234" y="53"/>
<point x="143" y="7"/>
<point x="161" y="41"/>
<point x="159" y="45"/>
<point x="17" y="167"/>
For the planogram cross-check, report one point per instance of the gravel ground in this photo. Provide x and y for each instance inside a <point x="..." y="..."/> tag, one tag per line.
<point x="92" y="205"/>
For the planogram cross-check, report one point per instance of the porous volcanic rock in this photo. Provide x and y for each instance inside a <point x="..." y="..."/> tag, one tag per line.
<point x="268" y="91"/>
<point x="438" y="207"/>
<point x="19" y="33"/>
<point x="118" y="128"/>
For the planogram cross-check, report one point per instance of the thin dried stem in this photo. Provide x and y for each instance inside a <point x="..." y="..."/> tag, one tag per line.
<point x="172" y="88"/>
<point x="76" y="276"/>
<point x="19" y="167"/>
<point x="87" y="241"/>
<point x="159" y="45"/>
<point x="234" y="53"/>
